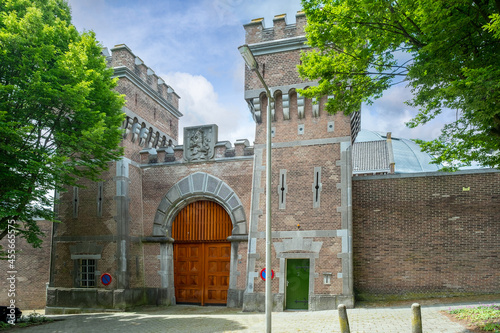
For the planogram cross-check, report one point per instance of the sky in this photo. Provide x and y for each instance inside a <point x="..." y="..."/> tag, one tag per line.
<point x="193" y="46"/>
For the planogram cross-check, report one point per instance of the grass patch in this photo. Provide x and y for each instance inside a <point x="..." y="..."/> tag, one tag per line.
<point x="31" y="319"/>
<point x="486" y="317"/>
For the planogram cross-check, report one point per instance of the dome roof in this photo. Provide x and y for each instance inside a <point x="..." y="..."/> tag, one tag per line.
<point x="408" y="156"/>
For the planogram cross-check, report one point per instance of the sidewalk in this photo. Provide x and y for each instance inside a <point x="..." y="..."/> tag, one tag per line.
<point x="186" y="318"/>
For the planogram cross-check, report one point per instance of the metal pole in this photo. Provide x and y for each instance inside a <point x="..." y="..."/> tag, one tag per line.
<point x="269" y="294"/>
<point x="253" y="65"/>
<point x="269" y="240"/>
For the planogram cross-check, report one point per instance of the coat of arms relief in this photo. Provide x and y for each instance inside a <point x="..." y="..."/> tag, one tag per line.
<point x="199" y="143"/>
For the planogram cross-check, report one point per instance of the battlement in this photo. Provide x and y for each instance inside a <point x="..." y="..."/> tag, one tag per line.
<point x="124" y="61"/>
<point x="256" y="32"/>
<point x="175" y="154"/>
<point x="200" y="145"/>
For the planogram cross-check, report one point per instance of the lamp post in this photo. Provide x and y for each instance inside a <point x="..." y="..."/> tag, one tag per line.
<point x="252" y="64"/>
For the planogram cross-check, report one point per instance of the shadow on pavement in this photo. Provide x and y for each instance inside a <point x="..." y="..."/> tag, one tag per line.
<point x="138" y="322"/>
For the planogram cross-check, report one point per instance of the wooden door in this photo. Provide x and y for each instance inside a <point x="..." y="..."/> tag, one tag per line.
<point x="201" y="272"/>
<point x="188" y="272"/>
<point x="216" y="280"/>
<point x="202" y="253"/>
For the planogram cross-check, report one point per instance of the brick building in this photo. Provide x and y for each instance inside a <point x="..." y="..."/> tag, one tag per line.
<point x="185" y="223"/>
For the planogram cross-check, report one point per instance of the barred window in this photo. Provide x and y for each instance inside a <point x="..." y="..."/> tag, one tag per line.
<point x="87" y="273"/>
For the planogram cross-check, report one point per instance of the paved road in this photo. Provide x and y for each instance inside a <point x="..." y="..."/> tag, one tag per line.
<point x="184" y="318"/>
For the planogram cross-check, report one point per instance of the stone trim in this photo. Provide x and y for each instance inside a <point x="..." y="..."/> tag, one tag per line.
<point x="345" y="209"/>
<point x="197" y="186"/>
<point x="124" y="72"/>
<point x="285" y="89"/>
<point x="317" y="187"/>
<point x="280" y="45"/>
<point x="313" y="142"/>
<point x="428" y="174"/>
<point x="282" y="189"/>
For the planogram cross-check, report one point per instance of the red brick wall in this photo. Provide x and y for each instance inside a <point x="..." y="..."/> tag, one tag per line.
<point x="145" y="107"/>
<point x="434" y="234"/>
<point x="88" y="224"/>
<point x="32" y="266"/>
<point x="157" y="181"/>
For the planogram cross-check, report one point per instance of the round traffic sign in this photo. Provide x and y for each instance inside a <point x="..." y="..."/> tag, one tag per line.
<point x="106" y="279"/>
<point x="263" y="274"/>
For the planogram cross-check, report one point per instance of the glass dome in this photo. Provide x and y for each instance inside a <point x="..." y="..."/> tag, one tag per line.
<point x="408" y="157"/>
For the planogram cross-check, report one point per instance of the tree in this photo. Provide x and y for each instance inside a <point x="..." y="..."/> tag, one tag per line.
<point x="59" y="116"/>
<point x="447" y="51"/>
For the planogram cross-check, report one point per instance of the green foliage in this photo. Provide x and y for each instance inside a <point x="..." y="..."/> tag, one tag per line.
<point x="31" y="319"/>
<point x="35" y="318"/>
<point x="487" y="317"/>
<point x="59" y="116"/>
<point x="448" y="52"/>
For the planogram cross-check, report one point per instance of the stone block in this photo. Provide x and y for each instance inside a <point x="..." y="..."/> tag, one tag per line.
<point x="198" y="182"/>
<point x="104" y="298"/>
<point x="233" y="202"/>
<point x="158" y="230"/>
<point x="224" y="191"/>
<point x="83" y="298"/>
<point x="119" y="299"/>
<point x="184" y="186"/>
<point x="212" y="184"/>
<point x="322" y="302"/>
<point x="51" y="297"/>
<point x="164" y="204"/>
<point x="239" y="214"/>
<point x="173" y="194"/>
<point x="159" y="217"/>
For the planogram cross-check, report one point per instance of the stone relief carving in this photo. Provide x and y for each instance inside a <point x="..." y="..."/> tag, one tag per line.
<point x="199" y="143"/>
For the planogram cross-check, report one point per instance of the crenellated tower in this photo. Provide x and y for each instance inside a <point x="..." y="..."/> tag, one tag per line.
<point x="311" y="179"/>
<point x="152" y="106"/>
<point x="104" y="221"/>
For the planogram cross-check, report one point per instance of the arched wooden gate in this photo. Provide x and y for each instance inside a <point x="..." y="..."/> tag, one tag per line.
<point x="201" y="253"/>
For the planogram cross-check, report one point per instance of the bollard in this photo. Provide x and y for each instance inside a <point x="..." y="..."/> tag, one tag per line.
<point x="344" y="321"/>
<point x="416" y="320"/>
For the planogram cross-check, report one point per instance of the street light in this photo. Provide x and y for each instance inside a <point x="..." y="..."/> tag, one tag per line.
<point x="254" y="66"/>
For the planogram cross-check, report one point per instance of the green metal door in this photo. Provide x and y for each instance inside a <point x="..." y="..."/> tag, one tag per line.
<point x="297" y="284"/>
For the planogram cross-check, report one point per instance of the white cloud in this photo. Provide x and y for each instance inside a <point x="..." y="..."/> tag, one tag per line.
<point x="196" y="42"/>
<point x="390" y="113"/>
<point x="200" y="105"/>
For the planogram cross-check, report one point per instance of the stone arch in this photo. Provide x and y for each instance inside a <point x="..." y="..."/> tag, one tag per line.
<point x="199" y="186"/>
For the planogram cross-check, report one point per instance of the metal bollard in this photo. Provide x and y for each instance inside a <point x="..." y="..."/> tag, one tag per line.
<point x="344" y="321"/>
<point x="416" y="320"/>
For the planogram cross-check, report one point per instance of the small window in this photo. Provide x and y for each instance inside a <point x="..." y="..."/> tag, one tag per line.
<point x="87" y="273"/>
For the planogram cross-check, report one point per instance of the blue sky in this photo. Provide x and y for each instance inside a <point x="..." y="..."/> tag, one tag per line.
<point x="192" y="45"/>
